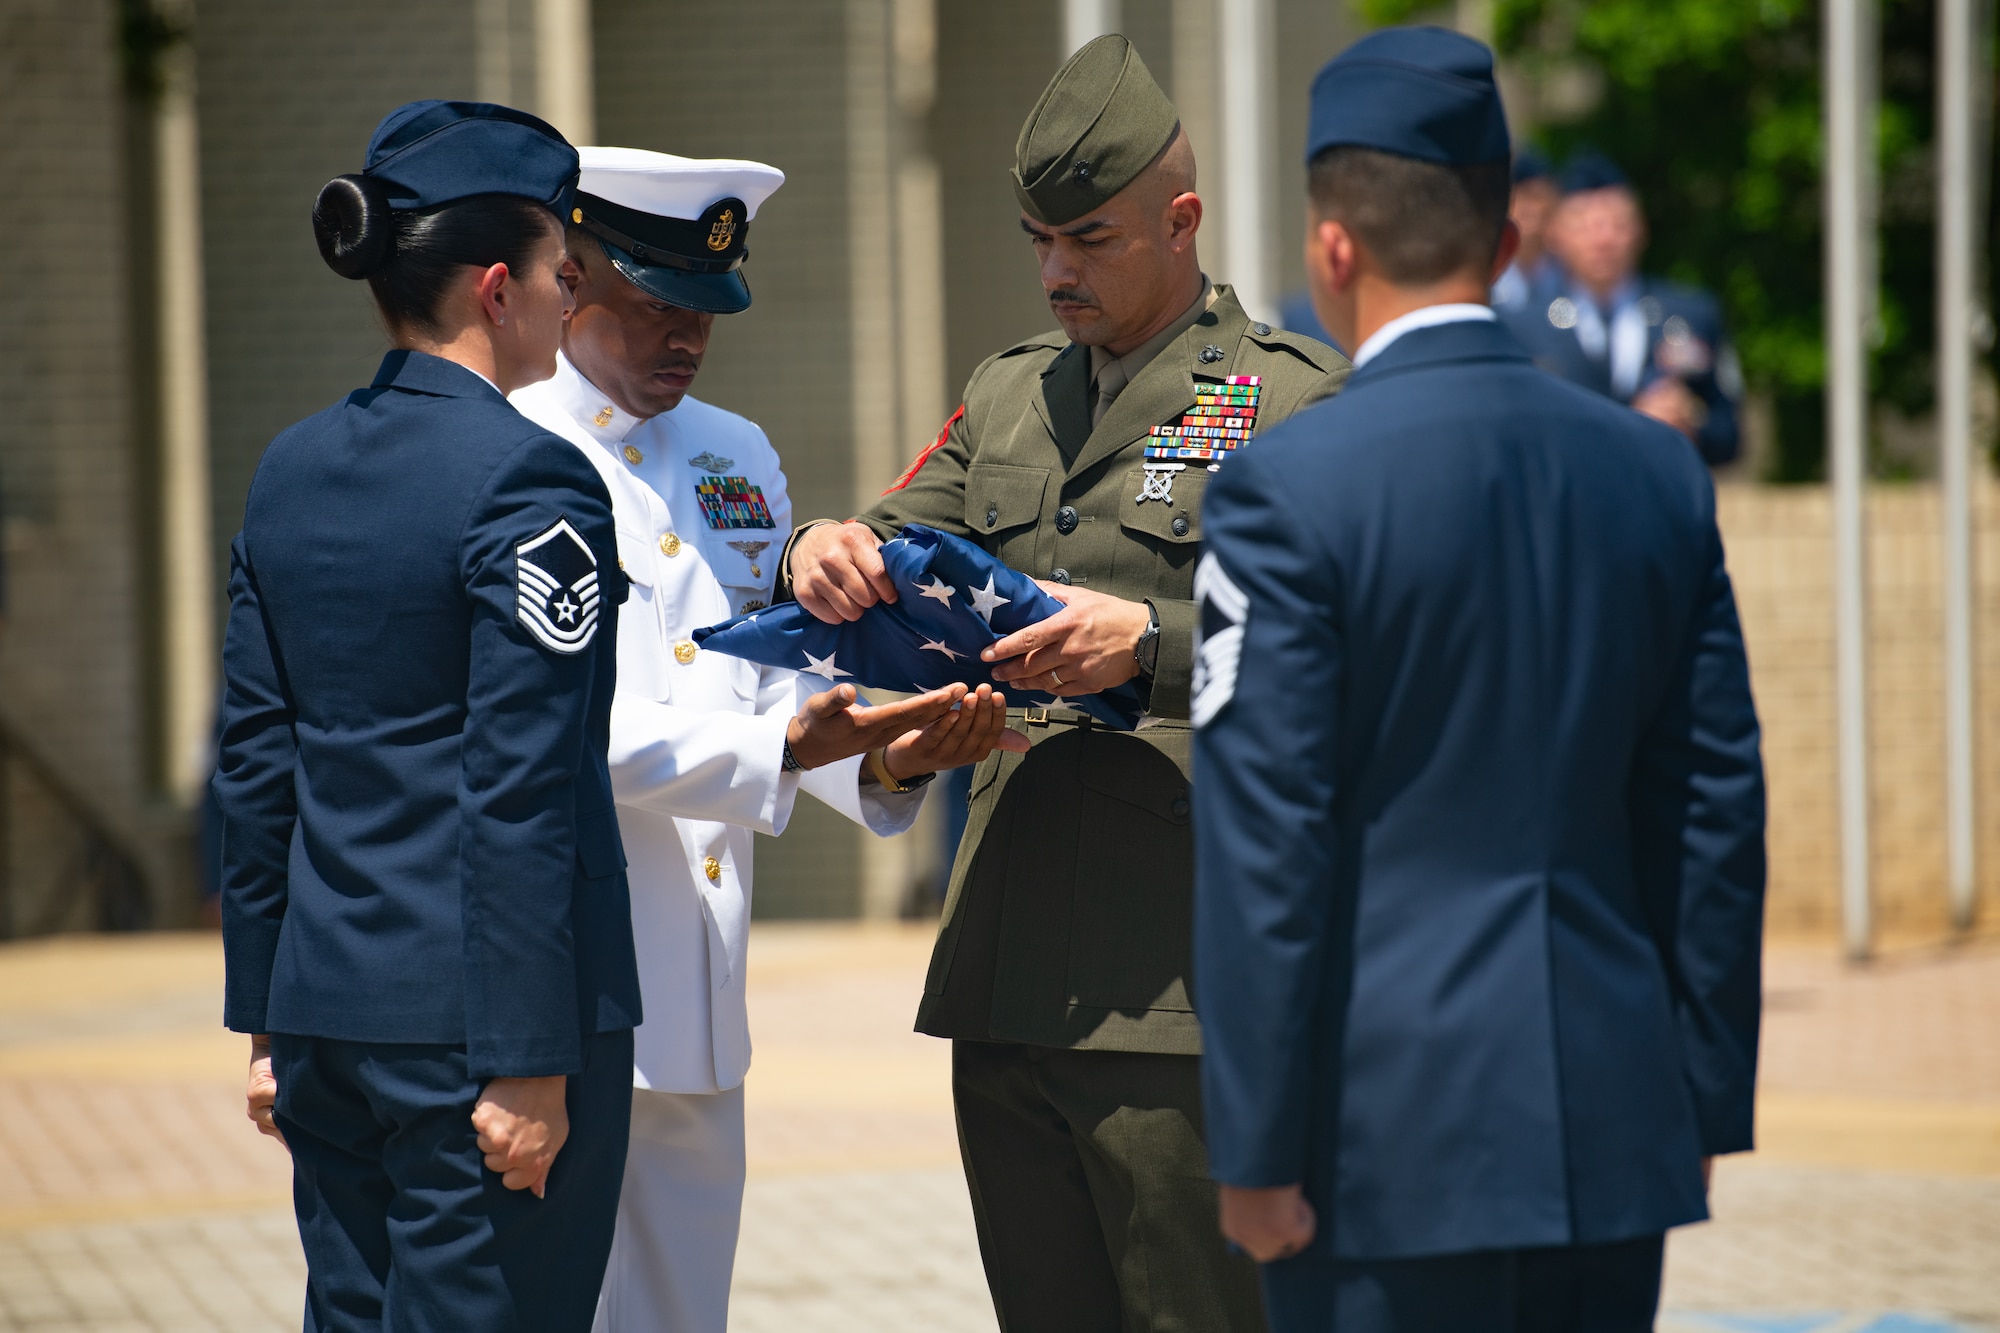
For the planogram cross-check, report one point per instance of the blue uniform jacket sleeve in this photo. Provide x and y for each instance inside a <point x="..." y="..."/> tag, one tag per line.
<point x="1267" y="918"/>
<point x="526" y="744"/>
<point x="1698" y="828"/>
<point x="254" y="787"/>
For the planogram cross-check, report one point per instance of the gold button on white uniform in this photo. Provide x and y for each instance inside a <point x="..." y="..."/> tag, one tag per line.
<point x="713" y="869"/>
<point x="633" y="456"/>
<point x="670" y="545"/>
<point x="684" y="651"/>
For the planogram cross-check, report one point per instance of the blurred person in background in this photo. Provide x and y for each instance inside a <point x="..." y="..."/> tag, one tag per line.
<point x="1533" y="269"/>
<point x="1655" y="345"/>
<point x="424" y="914"/>
<point x="706" y="750"/>
<point x="1061" y="969"/>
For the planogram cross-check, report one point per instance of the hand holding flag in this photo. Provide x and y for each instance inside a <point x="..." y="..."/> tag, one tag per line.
<point x="953" y="602"/>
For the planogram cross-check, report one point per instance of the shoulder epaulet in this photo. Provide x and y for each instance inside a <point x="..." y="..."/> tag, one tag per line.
<point x="1049" y="346"/>
<point x="1053" y="341"/>
<point x="1309" y="350"/>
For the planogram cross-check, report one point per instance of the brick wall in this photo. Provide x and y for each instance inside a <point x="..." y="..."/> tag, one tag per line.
<point x="289" y="94"/>
<point x="74" y="764"/>
<point x="1781" y="557"/>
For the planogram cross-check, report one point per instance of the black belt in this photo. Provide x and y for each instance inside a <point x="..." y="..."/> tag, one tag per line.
<point x="1051" y="717"/>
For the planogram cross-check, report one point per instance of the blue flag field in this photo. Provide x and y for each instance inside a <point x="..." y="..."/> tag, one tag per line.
<point x="954" y="601"/>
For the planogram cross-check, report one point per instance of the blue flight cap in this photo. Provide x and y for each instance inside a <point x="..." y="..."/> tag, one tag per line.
<point x="1591" y="170"/>
<point x="431" y="152"/>
<point x="1530" y="165"/>
<point x="1426" y="93"/>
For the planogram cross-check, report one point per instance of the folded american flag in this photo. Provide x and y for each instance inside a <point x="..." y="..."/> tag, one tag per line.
<point x="954" y="600"/>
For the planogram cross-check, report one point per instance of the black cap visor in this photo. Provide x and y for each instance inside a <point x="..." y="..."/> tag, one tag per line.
<point x="710" y="293"/>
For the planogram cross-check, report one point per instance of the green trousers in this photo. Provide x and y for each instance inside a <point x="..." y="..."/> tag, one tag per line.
<point x="1090" y="1189"/>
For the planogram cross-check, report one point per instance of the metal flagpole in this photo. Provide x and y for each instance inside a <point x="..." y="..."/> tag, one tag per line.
<point x="1956" y="49"/>
<point x="1849" y="121"/>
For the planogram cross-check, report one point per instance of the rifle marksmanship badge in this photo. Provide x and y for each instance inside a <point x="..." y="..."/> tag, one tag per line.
<point x="555" y="584"/>
<point x="732" y="502"/>
<point x="1222" y="420"/>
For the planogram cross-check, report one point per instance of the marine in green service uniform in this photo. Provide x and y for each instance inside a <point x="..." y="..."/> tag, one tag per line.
<point x="1061" y="969"/>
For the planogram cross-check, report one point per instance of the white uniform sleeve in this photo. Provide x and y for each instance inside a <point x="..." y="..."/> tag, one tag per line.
<point x="839" y="784"/>
<point x="693" y="763"/>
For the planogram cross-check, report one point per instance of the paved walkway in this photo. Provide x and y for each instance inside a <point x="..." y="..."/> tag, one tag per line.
<point x="133" y="1196"/>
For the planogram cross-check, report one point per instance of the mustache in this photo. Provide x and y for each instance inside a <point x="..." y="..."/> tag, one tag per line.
<point x="1071" y="296"/>
<point x="677" y="368"/>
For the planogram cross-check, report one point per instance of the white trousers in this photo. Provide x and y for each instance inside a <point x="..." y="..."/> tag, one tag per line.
<point x="678" y="1216"/>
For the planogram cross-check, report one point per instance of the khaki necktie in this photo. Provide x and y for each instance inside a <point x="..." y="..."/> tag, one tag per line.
<point x="1110" y="382"/>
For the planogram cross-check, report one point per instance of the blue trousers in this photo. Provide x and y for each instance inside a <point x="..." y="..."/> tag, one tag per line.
<point x="404" y="1228"/>
<point x="1612" y="1288"/>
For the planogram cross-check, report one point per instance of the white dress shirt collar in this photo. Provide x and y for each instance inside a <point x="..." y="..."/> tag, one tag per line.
<point x="588" y="406"/>
<point x="1430" y="316"/>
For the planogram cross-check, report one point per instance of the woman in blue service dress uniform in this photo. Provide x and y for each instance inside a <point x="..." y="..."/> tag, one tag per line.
<point x="424" y="902"/>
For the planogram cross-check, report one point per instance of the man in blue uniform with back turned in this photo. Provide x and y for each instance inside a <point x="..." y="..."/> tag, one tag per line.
<point x="1480" y="814"/>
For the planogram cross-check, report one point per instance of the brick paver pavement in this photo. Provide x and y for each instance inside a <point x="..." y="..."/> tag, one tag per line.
<point x="1874" y="1206"/>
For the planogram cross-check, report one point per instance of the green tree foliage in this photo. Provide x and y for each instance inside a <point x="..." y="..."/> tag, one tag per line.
<point x="1713" y="107"/>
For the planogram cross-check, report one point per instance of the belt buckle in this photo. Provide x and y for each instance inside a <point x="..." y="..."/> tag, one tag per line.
<point x="1036" y="716"/>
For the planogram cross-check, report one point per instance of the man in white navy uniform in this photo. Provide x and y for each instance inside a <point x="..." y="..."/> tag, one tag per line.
<point x="705" y="749"/>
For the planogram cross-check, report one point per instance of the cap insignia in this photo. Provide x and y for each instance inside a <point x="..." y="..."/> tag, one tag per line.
<point x="723" y="231"/>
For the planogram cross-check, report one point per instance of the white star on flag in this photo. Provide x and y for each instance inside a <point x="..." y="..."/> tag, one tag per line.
<point x="936" y="646"/>
<point x="824" y="666"/>
<point x="985" y="602"/>
<point x="938" y="592"/>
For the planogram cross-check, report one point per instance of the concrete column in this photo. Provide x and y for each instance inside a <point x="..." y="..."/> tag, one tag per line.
<point x="1195" y="27"/>
<point x="1086" y="20"/>
<point x="565" y="93"/>
<point x="1248" y="118"/>
<point x="186" y="572"/>
<point x="493" y="51"/>
<point x="896" y="318"/>
<point x="1850" y="284"/>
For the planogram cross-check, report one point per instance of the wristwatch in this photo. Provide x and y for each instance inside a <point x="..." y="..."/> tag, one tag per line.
<point x="1146" y="652"/>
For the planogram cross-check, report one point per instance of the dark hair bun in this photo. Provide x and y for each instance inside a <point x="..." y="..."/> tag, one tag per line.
<point x="351" y="222"/>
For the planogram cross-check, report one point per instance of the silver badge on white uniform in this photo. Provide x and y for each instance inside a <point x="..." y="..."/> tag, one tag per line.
<point x="1221" y="610"/>
<point x="555" y="581"/>
<point x="708" y="462"/>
